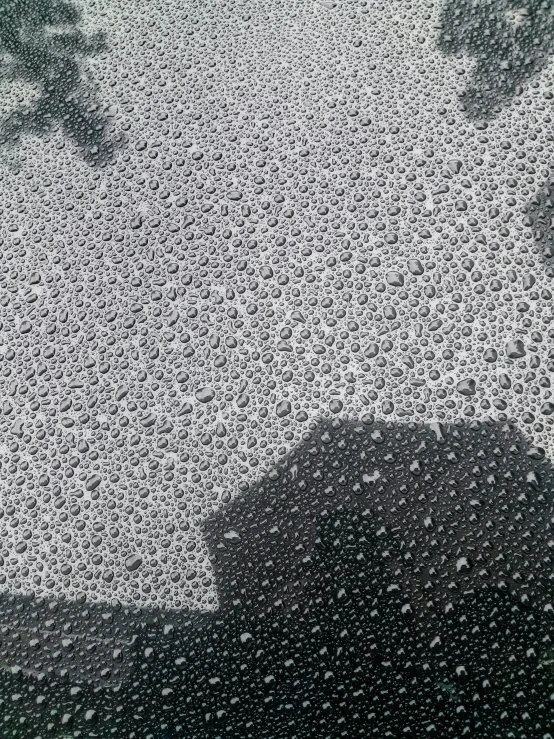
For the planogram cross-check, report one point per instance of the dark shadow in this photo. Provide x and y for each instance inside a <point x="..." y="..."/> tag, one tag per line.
<point x="385" y="580"/>
<point x="452" y="508"/>
<point x="41" y="45"/>
<point x="538" y="216"/>
<point x="508" y="42"/>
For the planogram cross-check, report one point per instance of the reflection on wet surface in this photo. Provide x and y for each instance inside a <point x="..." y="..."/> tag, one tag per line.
<point x="384" y="580"/>
<point x="539" y="217"/>
<point x="195" y="305"/>
<point x="450" y="510"/>
<point x="42" y="46"/>
<point x="507" y="43"/>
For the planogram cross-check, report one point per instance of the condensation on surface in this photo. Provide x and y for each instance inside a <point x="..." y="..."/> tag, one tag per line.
<point x="275" y="369"/>
<point x="223" y="222"/>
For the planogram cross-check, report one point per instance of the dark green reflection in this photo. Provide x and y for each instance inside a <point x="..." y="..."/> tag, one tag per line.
<point x="41" y="44"/>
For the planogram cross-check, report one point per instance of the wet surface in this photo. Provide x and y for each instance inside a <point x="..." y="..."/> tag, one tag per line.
<point x="506" y="43"/>
<point x="42" y="46"/>
<point x="276" y="356"/>
<point x="345" y="607"/>
<point x="177" y="314"/>
<point x="452" y="509"/>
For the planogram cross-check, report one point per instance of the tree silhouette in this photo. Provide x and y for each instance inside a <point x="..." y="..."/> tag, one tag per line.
<point x="509" y="42"/>
<point x="41" y="44"/>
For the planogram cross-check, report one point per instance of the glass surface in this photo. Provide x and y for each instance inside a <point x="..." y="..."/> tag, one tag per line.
<point x="275" y="369"/>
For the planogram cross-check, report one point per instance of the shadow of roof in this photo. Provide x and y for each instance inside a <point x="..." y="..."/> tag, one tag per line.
<point x="453" y="507"/>
<point x="374" y="582"/>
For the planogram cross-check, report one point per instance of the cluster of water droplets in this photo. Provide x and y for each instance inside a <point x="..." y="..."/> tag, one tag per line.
<point x="284" y="213"/>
